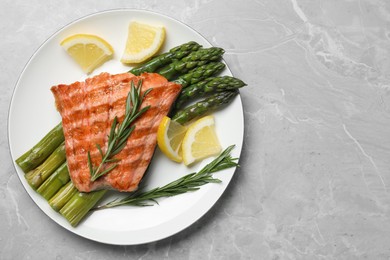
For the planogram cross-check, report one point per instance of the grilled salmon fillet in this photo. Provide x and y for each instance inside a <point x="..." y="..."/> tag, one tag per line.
<point x="88" y="109"/>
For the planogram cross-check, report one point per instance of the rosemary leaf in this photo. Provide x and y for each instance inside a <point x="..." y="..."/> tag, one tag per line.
<point x="90" y="162"/>
<point x="100" y="150"/>
<point x="107" y="170"/>
<point x="113" y="160"/>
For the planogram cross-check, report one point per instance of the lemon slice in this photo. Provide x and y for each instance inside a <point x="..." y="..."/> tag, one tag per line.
<point x="89" y="51"/>
<point x="200" y="141"/>
<point x="170" y="135"/>
<point x="143" y="41"/>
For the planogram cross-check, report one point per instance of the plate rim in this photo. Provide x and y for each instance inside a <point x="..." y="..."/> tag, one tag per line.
<point x="35" y="53"/>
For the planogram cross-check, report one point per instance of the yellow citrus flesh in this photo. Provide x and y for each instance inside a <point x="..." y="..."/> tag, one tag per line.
<point x="89" y="51"/>
<point x="143" y="41"/>
<point x="200" y="141"/>
<point x="170" y="135"/>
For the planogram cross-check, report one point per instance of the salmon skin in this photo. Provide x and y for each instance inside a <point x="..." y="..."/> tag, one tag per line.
<point x="88" y="109"/>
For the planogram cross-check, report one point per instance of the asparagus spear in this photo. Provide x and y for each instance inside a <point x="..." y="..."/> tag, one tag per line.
<point x="36" y="155"/>
<point x="194" y="59"/>
<point x="79" y="205"/>
<point x="209" y="85"/>
<point x="200" y="73"/>
<point x="200" y="108"/>
<point x="159" y="61"/>
<point x="62" y="196"/>
<point x="52" y="184"/>
<point x="43" y="171"/>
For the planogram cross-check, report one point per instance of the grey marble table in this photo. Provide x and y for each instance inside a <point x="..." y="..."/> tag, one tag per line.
<point x="315" y="167"/>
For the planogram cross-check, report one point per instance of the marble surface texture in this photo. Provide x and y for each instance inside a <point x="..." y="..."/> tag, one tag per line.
<point x="314" y="180"/>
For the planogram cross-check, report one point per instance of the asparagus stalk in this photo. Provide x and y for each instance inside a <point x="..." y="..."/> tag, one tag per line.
<point x="80" y="204"/>
<point x="194" y="59"/>
<point x="52" y="184"/>
<point x="37" y="176"/>
<point x="200" y="73"/>
<point x="62" y="196"/>
<point x="208" y="86"/>
<point x="37" y="154"/>
<point x="208" y="104"/>
<point x="159" y="61"/>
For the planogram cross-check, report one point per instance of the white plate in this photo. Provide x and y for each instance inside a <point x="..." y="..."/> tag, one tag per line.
<point x="32" y="115"/>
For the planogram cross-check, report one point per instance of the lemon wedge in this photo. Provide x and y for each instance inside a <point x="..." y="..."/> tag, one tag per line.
<point x="170" y="135"/>
<point x="200" y="141"/>
<point x="89" y="51"/>
<point x="143" y="41"/>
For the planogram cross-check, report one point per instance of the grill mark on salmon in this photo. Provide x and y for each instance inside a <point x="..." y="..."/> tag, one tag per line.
<point x="88" y="109"/>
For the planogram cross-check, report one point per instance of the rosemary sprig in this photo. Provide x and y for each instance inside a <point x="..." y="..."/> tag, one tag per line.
<point x="189" y="182"/>
<point x="119" y="132"/>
